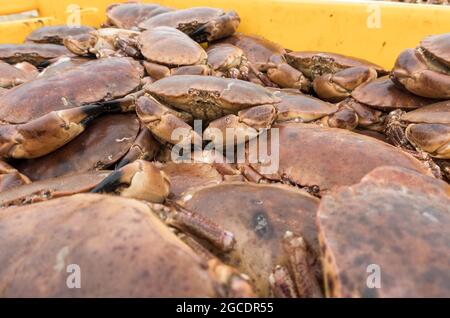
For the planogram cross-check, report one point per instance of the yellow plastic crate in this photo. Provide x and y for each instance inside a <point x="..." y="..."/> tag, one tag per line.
<point x="376" y="31"/>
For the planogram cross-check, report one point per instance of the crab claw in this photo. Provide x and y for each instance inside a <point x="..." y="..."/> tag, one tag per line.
<point x="286" y="76"/>
<point x="219" y="28"/>
<point x="336" y="87"/>
<point x="47" y="133"/>
<point x="166" y="124"/>
<point x="244" y="126"/>
<point x="139" y="180"/>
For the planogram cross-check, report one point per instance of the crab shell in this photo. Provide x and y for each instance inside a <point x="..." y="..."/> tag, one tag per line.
<point x="31" y="52"/>
<point x="326" y="158"/>
<point x="429" y="129"/>
<point x="89" y="83"/>
<point x="129" y="15"/>
<point x="121" y="248"/>
<point x="396" y="221"/>
<point x="56" y="33"/>
<point x="383" y="94"/>
<point x="258" y="215"/>
<point x="101" y="145"/>
<point x="170" y="47"/>
<point x="201" y="23"/>
<point x="208" y="97"/>
<point x="421" y="76"/>
<point x="312" y="63"/>
<point x="52" y="188"/>
<point x="15" y="75"/>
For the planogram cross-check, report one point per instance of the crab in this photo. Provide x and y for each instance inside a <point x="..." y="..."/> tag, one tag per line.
<point x="204" y="97"/>
<point x="266" y="61"/>
<point x="259" y="215"/>
<point x="396" y="238"/>
<point x="334" y="76"/>
<point x="129" y="15"/>
<point x="33" y="53"/>
<point x="55" y="34"/>
<point x="372" y="101"/>
<point x="203" y="24"/>
<point x="42" y="115"/>
<point x="246" y="108"/>
<point x="111" y="139"/>
<point x="10" y="177"/>
<point x="325" y="158"/>
<point x="101" y="42"/>
<point x="13" y="75"/>
<point x="98" y="232"/>
<point x="425" y="70"/>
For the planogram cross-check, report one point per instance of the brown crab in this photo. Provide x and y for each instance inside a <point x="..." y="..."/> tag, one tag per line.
<point x="206" y="98"/>
<point x="425" y="71"/>
<point x="33" y="53"/>
<point x="56" y="34"/>
<point x="259" y="215"/>
<point x="63" y="64"/>
<point x="396" y="237"/>
<point x="129" y="15"/>
<point x="13" y="75"/>
<point x="201" y="23"/>
<point x="319" y="163"/>
<point x="44" y="114"/>
<point x="266" y="60"/>
<point x="96" y="232"/>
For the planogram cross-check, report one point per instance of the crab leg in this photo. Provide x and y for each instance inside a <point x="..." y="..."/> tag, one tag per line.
<point x="47" y="133"/>
<point x="302" y="278"/>
<point x="199" y="226"/>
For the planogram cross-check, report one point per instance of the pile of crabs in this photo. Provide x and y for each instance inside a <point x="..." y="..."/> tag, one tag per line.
<point x="358" y="206"/>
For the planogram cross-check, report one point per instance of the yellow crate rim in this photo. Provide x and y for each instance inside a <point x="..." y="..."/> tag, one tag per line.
<point x="376" y="31"/>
